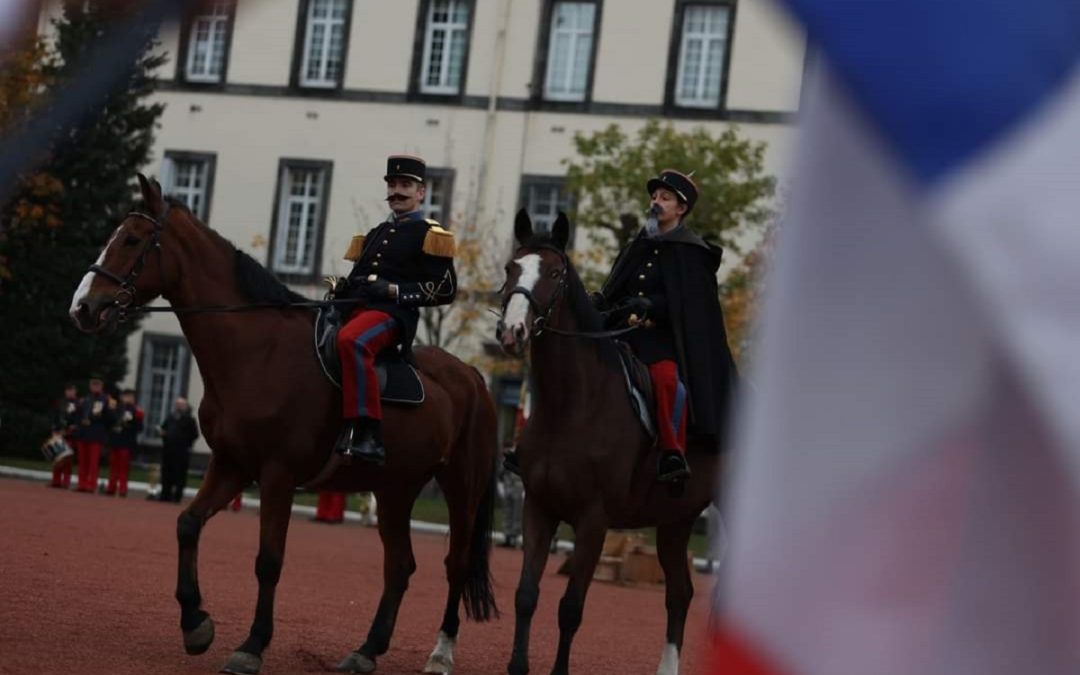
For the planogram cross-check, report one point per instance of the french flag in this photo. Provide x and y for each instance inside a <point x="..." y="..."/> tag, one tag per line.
<point x="904" y="491"/>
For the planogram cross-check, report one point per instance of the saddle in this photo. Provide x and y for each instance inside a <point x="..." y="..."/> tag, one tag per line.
<point x="399" y="382"/>
<point x="639" y="386"/>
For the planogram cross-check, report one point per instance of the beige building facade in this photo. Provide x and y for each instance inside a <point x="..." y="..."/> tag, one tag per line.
<point x="280" y="113"/>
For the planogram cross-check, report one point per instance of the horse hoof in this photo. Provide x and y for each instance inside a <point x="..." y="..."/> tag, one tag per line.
<point x="356" y="662"/>
<point x="199" y="640"/>
<point x="438" y="663"/>
<point x="242" y="663"/>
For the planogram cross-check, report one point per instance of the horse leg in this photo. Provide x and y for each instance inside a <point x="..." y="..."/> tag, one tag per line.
<point x="472" y="509"/>
<point x="394" y="509"/>
<point x="538" y="529"/>
<point x="220" y="485"/>
<point x="276" y="498"/>
<point x="588" y="545"/>
<point x="671" y="546"/>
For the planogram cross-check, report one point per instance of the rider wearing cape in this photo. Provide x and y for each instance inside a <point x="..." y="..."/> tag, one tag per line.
<point x="665" y="279"/>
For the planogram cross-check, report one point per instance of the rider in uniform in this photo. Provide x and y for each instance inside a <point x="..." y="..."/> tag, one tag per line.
<point x="664" y="281"/>
<point x="401" y="265"/>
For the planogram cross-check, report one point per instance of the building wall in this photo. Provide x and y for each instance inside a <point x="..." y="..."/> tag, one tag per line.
<point x="256" y="116"/>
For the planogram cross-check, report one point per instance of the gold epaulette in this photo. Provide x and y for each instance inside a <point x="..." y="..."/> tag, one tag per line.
<point x="438" y="242"/>
<point x="356" y="246"/>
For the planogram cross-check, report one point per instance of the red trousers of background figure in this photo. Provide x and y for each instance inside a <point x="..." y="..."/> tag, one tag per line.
<point x="61" y="473"/>
<point x="670" y="405"/>
<point x="89" y="465"/>
<point x="358" y="341"/>
<point x="331" y="507"/>
<point x="237" y="503"/>
<point x="119" y="465"/>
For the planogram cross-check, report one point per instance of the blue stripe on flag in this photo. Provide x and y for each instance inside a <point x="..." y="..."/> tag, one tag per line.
<point x="943" y="79"/>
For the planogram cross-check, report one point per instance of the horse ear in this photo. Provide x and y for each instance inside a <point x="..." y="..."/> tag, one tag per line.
<point x="151" y="194"/>
<point x="560" y="231"/>
<point x="523" y="229"/>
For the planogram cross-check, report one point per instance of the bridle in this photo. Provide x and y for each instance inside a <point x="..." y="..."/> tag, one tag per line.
<point x="126" y="297"/>
<point x="542" y="322"/>
<point x="543" y="317"/>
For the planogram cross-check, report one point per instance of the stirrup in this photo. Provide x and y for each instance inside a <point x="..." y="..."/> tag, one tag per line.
<point x="673" y="472"/>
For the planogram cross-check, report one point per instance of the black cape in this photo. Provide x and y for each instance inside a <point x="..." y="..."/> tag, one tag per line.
<point x="689" y="265"/>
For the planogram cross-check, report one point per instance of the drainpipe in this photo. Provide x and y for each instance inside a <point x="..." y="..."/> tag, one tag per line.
<point x="499" y="54"/>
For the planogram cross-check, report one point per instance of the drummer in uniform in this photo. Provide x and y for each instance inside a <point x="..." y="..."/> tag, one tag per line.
<point x="65" y="427"/>
<point x="403" y="264"/>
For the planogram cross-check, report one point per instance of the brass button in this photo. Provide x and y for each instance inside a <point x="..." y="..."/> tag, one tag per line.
<point x="641" y="276"/>
<point x="386" y="241"/>
<point x="641" y="294"/>
<point x="656" y="251"/>
<point x="378" y="255"/>
<point x="392" y="230"/>
<point x="375" y="264"/>
<point x="648" y="265"/>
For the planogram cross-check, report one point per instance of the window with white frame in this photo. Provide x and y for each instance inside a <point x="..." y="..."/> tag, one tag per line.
<point x="701" y="56"/>
<point x="189" y="177"/>
<point x="163" y="369"/>
<point x="436" y="204"/>
<point x="543" y="197"/>
<point x="445" y="42"/>
<point x="569" y="51"/>
<point x="300" y="218"/>
<point x="324" y="43"/>
<point x="208" y="36"/>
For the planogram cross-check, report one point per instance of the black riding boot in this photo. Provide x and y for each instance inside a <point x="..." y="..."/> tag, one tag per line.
<point x="362" y="439"/>
<point x="672" y="467"/>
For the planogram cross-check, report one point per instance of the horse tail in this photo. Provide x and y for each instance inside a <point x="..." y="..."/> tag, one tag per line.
<point x="478" y="594"/>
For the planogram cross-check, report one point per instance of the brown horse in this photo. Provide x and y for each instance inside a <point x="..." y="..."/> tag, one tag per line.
<point x="585" y="458"/>
<point x="271" y="416"/>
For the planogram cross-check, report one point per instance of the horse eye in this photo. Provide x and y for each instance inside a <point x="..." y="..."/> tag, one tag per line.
<point x="131" y="240"/>
<point x="554" y="274"/>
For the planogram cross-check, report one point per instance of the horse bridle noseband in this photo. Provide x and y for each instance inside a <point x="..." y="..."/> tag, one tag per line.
<point x="126" y="297"/>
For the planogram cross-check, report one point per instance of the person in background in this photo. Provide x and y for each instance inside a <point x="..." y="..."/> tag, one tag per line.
<point x="65" y="423"/>
<point x="94" y="420"/>
<point x="178" y="433"/>
<point x="512" y="491"/>
<point x="330" y="507"/>
<point x="123" y="439"/>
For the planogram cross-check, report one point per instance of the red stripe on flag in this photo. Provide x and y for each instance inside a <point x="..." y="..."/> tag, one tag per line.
<point x="732" y="655"/>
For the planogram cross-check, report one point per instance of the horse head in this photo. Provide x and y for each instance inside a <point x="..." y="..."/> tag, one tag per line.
<point x="129" y="270"/>
<point x="535" y="281"/>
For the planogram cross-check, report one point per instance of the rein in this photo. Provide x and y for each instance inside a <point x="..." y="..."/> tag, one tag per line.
<point x="126" y="298"/>
<point x="540" y="324"/>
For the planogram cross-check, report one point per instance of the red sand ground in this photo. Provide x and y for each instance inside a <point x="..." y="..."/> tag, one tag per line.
<point x="86" y="586"/>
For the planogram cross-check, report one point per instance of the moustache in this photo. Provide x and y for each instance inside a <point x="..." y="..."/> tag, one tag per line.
<point x="654" y="210"/>
<point x="396" y="198"/>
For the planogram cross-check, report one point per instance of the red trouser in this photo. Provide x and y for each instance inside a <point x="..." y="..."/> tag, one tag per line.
<point x="237" y="502"/>
<point x="89" y="465"/>
<point x="331" y="507"/>
<point x="358" y="341"/>
<point x="119" y="464"/>
<point x="670" y="405"/>
<point x="61" y="473"/>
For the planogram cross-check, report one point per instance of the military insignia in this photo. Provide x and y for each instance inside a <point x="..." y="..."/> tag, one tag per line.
<point x="356" y="247"/>
<point x="438" y="242"/>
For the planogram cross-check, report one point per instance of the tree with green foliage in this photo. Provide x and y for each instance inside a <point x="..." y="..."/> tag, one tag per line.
<point x="60" y="215"/>
<point x="609" y="174"/>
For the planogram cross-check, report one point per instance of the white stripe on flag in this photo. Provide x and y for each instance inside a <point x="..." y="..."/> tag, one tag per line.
<point x="898" y="506"/>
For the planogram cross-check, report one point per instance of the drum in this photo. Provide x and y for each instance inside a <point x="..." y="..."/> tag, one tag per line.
<point x="56" y="448"/>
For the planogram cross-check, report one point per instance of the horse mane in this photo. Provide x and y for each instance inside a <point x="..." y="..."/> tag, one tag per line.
<point x="253" y="280"/>
<point x="580" y="305"/>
